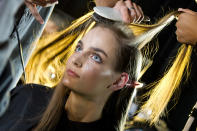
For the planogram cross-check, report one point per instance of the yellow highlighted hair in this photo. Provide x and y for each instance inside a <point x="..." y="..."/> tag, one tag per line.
<point x="163" y="90"/>
<point x="47" y="63"/>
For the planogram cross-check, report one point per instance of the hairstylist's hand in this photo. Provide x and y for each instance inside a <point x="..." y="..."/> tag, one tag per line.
<point x="31" y="4"/>
<point x="130" y="11"/>
<point x="187" y="27"/>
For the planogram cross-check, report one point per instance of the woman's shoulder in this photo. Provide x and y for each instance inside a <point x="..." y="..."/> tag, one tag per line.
<point x="31" y="88"/>
<point x="33" y="94"/>
<point x="27" y="102"/>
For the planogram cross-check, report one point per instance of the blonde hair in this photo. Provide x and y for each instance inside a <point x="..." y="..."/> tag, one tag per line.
<point x="52" y="52"/>
<point x="47" y="63"/>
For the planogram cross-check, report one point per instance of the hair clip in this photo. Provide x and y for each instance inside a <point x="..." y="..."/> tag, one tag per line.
<point x="134" y="84"/>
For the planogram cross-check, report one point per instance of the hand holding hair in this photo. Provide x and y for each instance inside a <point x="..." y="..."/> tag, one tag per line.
<point x="31" y="4"/>
<point x="130" y="11"/>
<point x="44" y="3"/>
<point x="187" y="27"/>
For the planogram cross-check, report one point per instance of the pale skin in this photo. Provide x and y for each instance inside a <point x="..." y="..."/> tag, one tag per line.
<point x="93" y="56"/>
<point x="129" y="10"/>
<point x="31" y="4"/>
<point x="187" y="27"/>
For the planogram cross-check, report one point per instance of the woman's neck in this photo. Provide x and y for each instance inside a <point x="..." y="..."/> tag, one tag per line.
<point x="81" y="109"/>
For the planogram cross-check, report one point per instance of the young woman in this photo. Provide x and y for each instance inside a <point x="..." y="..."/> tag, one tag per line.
<point x="92" y="95"/>
<point x="47" y="63"/>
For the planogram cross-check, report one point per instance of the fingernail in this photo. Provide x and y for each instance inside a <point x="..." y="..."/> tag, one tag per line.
<point x="180" y="9"/>
<point x="42" y="22"/>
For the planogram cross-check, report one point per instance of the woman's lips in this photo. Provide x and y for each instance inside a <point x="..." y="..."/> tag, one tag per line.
<point x="72" y="73"/>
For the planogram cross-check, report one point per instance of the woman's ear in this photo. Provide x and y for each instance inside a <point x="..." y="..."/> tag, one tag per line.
<point x="121" y="82"/>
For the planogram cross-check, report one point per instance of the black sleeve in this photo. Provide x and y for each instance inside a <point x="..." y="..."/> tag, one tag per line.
<point x="26" y="107"/>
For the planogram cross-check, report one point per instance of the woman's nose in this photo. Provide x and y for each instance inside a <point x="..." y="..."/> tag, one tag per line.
<point x="77" y="61"/>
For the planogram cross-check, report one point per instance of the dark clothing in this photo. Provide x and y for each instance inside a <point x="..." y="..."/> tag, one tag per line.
<point x="75" y="8"/>
<point x="67" y="125"/>
<point x="29" y="30"/>
<point x="28" y="103"/>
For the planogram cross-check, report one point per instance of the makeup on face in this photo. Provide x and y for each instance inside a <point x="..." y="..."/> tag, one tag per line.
<point x="72" y="73"/>
<point x="106" y="73"/>
<point x="95" y="52"/>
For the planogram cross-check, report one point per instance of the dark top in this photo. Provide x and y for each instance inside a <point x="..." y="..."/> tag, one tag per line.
<point x="68" y="125"/>
<point x="26" y="106"/>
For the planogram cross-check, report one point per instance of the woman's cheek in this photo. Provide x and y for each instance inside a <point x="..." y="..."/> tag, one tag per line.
<point x="91" y="73"/>
<point x="106" y="77"/>
<point x="106" y="73"/>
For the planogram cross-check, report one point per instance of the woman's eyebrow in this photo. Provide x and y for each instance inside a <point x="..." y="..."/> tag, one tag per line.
<point x="99" y="50"/>
<point x="95" y="49"/>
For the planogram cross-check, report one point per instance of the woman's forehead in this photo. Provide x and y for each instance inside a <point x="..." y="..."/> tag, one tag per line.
<point x="100" y="37"/>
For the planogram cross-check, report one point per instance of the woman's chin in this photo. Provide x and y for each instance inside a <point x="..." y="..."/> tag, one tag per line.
<point x="66" y="82"/>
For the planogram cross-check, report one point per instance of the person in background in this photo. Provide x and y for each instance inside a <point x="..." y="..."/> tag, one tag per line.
<point x="17" y="23"/>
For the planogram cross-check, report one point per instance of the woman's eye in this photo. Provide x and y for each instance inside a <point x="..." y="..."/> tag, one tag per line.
<point x="96" y="58"/>
<point x="78" y="48"/>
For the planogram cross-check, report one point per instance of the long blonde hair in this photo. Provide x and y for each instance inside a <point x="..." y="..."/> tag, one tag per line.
<point x="52" y="52"/>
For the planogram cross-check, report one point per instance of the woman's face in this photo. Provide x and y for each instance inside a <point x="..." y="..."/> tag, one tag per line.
<point x="90" y="69"/>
